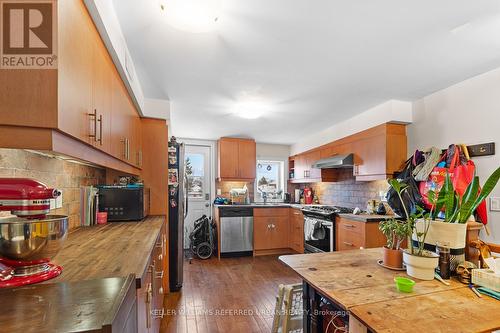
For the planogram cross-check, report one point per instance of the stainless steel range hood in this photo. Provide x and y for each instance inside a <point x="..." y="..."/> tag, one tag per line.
<point x="334" y="162"/>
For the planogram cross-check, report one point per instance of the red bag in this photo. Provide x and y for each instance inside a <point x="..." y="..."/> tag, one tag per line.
<point x="437" y="178"/>
<point x="461" y="175"/>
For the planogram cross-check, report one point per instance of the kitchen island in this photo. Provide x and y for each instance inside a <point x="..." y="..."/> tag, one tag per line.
<point x="352" y="285"/>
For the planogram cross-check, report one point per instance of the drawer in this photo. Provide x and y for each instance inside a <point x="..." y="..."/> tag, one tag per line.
<point x="350" y="225"/>
<point x="349" y="240"/>
<point x="270" y="212"/>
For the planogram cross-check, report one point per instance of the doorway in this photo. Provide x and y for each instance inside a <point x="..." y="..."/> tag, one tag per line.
<point x="199" y="185"/>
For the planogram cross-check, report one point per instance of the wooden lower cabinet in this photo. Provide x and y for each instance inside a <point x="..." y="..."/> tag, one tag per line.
<point x="353" y="235"/>
<point x="151" y="293"/>
<point x="271" y="230"/>
<point x="296" y="239"/>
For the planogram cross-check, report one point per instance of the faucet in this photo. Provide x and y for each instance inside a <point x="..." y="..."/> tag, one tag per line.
<point x="264" y="197"/>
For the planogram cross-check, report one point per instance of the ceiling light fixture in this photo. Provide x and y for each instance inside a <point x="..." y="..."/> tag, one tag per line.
<point x="460" y="28"/>
<point x="194" y="16"/>
<point x="251" y="109"/>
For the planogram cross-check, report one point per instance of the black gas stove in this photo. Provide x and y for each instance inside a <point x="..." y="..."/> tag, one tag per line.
<point x="322" y="217"/>
<point x="325" y="212"/>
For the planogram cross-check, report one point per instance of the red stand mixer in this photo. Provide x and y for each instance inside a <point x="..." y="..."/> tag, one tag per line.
<point x="30" y="239"/>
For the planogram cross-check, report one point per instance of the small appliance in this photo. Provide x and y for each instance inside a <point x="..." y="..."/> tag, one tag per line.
<point x="124" y="203"/>
<point x="31" y="238"/>
<point x="287" y="198"/>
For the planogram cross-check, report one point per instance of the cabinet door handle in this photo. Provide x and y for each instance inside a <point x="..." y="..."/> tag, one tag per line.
<point x="348" y="244"/>
<point x="139" y="156"/>
<point x="100" y="130"/>
<point x="152" y="272"/>
<point x="349" y="225"/>
<point x="94" y="118"/>
<point x="149" y="300"/>
<point x="128" y="149"/>
<point x="124" y="141"/>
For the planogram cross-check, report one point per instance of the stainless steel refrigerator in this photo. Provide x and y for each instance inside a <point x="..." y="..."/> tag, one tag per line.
<point x="178" y="208"/>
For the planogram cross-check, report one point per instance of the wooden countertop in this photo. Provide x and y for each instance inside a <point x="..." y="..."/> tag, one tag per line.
<point x="116" y="249"/>
<point x="355" y="282"/>
<point x="86" y="306"/>
<point x="352" y="278"/>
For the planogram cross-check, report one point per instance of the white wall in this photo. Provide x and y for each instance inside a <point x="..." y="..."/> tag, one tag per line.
<point x="104" y="17"/>
<point x="390" y="111"/>
<point x="467" y="112"/>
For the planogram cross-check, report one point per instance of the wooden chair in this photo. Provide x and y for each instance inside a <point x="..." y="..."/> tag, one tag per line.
<point x="288" y="310"/>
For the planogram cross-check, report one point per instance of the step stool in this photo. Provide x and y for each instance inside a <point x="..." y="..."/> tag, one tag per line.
<point x="288" y="312"/>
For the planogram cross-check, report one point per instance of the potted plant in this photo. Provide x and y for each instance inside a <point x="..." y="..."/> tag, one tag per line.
<point x="420" y="263"/>
<point x="455" y="211"/>
<point x="395" y="231"/>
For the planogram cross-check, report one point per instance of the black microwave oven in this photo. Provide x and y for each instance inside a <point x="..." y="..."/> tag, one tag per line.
<point x="124" y="203"/>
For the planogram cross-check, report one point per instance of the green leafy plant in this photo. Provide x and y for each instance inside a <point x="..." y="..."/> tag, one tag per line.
<point x="395" y="231"/>
<point x="410" y="222"/>
<point x="459" y="209"/>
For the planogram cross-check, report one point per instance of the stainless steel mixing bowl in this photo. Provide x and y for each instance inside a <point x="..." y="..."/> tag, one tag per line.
<point x="27" y="240"/>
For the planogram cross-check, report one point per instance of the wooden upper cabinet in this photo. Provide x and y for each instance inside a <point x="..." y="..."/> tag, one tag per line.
<point x="247" y="159"/>
<point x="378" y="152"/>
<point x="237" y="159"/>
<point x="228" y="158"/>
<point x="81" y="98"/>
<point x="75" y="71"/>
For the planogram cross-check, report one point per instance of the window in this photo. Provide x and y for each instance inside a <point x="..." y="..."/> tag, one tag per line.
<point x="195" y="173"/>
<point x="270" y="179"/>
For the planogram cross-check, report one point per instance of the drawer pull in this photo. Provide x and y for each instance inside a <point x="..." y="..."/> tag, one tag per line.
<point x="160" y="257"/>
<point x="348" y="244"/>
<point x="349" y="226"/>
<point x="159" y="275"/>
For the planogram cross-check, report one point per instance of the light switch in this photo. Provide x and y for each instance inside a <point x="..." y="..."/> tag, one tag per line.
<point x="59" y="201"/>
<point x="495" y="204"/>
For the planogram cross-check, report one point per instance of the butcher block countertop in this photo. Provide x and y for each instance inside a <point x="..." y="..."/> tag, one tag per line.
<point x="354" y="281"/>
<point x="87" y="306"/>
<point x="115" y="249"/>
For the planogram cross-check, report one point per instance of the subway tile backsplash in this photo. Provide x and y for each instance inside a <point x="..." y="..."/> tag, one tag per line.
<point x="347" y="192"/>
<point x="66" y="176"/>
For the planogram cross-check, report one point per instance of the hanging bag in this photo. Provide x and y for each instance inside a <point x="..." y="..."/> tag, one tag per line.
<point x="411" y="197"/>
<point x="438" y="176"/>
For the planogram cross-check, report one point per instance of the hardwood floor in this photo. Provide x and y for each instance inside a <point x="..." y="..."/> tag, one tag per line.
<point x="230" y="295"/>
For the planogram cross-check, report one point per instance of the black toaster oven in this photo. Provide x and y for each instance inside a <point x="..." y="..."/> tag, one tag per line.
<point x="124" y="203"/>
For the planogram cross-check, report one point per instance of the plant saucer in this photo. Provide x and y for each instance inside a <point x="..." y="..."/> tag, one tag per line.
<point x="381" y="263"/>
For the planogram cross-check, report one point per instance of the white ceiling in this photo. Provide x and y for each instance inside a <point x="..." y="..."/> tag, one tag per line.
<point x="312" y="62"/>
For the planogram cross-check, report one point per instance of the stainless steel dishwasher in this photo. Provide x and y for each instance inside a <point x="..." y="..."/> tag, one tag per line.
<point x="236" y="231"/>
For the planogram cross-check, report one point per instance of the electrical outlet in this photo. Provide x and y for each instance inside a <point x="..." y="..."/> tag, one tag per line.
<point x="219" y="191"/>
<point x="495" y="204"/>
<point x="59" y="200"/>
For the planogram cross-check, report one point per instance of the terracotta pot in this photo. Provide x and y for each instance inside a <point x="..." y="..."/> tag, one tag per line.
<point x="392" y="258"/>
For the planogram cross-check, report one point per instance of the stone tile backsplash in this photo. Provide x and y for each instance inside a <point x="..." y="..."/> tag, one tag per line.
<point x="63" y="175"/>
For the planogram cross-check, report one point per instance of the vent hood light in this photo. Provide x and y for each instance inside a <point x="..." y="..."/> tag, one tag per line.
<point x="194" y="16"/>
<point x="337" y="161"/>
